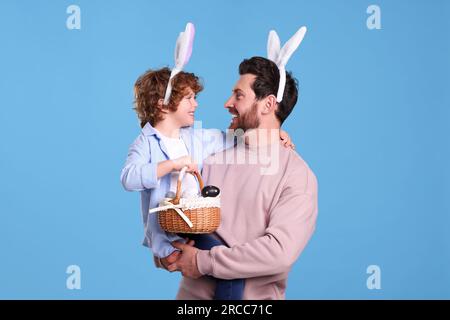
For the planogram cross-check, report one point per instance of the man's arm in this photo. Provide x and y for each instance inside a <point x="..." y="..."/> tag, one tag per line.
<point x="292" y="222"/>
<point x="215" y="140"/>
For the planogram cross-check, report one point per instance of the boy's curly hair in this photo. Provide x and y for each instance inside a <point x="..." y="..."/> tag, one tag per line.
<point x="151" y="86"/>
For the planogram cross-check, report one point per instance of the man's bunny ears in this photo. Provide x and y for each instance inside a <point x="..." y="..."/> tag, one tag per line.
<point x="281" y="55"/>
<point x="183" y="51"/>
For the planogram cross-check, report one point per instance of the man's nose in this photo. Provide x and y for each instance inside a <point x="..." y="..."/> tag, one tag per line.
<point x="228" y="103"/>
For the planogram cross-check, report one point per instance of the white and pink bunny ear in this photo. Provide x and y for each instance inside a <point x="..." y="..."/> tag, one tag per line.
<point x="183" y="52"/>
<point x="273" y="46"/>
<point x="282" y="56"/>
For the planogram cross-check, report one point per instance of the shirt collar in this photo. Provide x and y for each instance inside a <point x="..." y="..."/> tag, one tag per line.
<point x="185" y="134"/>
<point x="148" y="130"/>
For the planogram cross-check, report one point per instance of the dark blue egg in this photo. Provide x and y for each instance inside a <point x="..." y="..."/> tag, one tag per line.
<point x="210" y="191"/>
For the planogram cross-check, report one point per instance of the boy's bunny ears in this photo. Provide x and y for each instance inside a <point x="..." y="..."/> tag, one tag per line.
<point x="183" y="51"/>
<point x="281" y="55"/>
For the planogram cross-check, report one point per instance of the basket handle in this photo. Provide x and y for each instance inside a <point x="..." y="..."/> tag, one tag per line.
<point x="180" y="178"/>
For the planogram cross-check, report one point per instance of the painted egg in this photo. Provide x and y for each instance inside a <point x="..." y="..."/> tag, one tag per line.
<point x="210" y="191"/>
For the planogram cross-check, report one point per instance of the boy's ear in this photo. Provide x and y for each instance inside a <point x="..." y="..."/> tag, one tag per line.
<point x="270" y="104"/>
<point x="162" y="107"/>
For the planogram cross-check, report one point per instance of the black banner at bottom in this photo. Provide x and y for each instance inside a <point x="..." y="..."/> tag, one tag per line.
<point x="180" y="309"/>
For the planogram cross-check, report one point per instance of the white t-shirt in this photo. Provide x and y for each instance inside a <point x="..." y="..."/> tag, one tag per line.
<point x="176" y="148"/>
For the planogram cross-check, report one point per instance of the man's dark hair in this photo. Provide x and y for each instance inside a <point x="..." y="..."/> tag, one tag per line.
<point x="266" y="83"/>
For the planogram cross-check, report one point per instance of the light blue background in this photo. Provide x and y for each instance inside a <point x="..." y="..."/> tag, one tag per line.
<point x="372" y="121"/>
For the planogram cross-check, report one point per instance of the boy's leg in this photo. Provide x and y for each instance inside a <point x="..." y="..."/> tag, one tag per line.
<point x="229" y="289"/>
<point x="225" y="289"/>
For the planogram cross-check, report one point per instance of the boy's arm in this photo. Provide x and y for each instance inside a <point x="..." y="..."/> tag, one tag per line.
<point x="139" y="172"/>
<point x="164" y="167"/>
<point x="215" y="140"/>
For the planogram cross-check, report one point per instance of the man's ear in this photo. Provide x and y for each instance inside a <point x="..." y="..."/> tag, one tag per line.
<point x="162" y="107"/>
<point x="270" y="104"/>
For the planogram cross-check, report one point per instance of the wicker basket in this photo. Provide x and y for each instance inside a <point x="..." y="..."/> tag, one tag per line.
<point x="204" y="214"/>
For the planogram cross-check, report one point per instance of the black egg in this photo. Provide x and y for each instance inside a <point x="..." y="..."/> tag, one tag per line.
<point x="210" y="191"/>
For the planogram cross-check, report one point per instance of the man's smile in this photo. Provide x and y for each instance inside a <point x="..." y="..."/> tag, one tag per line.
<point x="234" y="114"/>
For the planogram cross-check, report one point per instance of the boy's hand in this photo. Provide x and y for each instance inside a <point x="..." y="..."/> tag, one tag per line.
<point x="286" y="140"/>
<point x="174" y="256"/>
<point x="185" y="161"/>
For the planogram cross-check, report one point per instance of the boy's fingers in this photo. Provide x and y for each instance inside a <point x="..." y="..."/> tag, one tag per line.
<point x="173" y="257"/>
<point x="172" y="267"/>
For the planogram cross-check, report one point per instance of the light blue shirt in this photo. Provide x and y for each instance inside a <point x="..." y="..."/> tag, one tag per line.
<point x="139" y="174"/>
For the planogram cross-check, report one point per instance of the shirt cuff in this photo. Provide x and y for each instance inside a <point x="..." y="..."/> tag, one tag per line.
<point x="205" y="262"/>
<point x="158" y="262"/>
<point x="149" y="175"/>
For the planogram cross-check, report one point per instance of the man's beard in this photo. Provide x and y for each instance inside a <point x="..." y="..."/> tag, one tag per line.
<point x="248" y="120"/>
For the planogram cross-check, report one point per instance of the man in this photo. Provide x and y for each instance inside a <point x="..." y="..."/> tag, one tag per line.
<point x="267" y="216"/>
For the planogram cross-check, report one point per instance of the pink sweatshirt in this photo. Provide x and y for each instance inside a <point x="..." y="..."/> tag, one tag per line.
<point x="266" y="220"/>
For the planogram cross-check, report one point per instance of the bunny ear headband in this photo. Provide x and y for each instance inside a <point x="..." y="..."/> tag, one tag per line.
<point x="281" y="55"/>
<point x="183" y="51"/>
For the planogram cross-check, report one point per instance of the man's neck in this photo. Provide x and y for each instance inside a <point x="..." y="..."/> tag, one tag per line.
<point x="168" y="129"/>
<point x="262" y="136"/>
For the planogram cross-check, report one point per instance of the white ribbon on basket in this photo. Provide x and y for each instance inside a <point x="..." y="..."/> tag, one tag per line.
<point x="177" y="207"/>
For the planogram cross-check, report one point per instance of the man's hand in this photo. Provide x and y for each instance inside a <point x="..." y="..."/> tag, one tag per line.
<point x="286" y="140"/>
<point x="186" y="262"/>
<point x="173" y="257"/>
